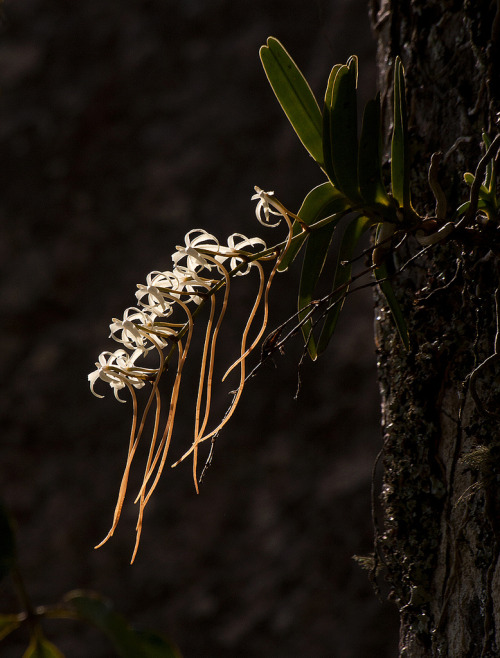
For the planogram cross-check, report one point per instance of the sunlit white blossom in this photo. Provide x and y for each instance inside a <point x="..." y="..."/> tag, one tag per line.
<point x="190" y="282"/>
<point x="118" y="369"/>
<point x="165" y="288"/>
<point x="265" y="207"/>
<point x="238" y="242"/>
<point x="141" y="331"/>
<point x="157" y="301"/>
<point x="129" y="331"/>
<point x="194" y="259"/>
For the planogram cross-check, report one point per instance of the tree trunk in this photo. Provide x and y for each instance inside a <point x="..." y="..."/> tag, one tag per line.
<point x="439" y="541"/>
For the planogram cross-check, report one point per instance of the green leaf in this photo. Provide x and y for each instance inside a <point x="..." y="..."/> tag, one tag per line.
<point x="400" y="162"/>
<point x="481" y="204"/>
<point x="320" y="202"/>
<point x="294" y="95"/>
<point x="40" y="647"/>
<point x="7" y="543"/>
<point x="490" y="178"/>
<point x="370" y="157"/>
<point x="327" y="139"/>
<point x="340" y="129"/>
<point x="8" y="623"/>
<point x="397" y="315"/>
<point x="489" y="166"/>
<point x="340" y="288"/>
<point x="484" y="190"/>
<point x="314" y="261"/>
<point x="127" y="642"/>
<point x="492" y="187"/>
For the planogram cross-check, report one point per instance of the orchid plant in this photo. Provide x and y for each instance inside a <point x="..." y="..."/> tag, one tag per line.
<point x="168" y="303"/>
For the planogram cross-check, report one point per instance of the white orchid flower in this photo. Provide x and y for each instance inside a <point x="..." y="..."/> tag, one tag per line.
<point x="190" y="281"/>
<point x="118" y="369"/>
<point x="134" y="330"/>
<point x="191" y="251"/>
<point x="141" y="331"/>
<point x="157" y="301"/>
<point x="163" y="289"/>
<point x="238" y="242"/>
<point x="265" y="207"/>
<point x="203" y="244"/>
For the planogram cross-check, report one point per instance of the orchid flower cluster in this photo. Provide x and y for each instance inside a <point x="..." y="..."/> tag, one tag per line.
<point x="163" y="323"/>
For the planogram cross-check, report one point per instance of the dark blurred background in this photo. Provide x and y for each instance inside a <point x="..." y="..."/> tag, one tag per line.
<point x="123" y="125"/>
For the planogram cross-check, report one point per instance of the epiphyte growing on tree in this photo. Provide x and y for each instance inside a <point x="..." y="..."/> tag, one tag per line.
<point x="169" y="301"/>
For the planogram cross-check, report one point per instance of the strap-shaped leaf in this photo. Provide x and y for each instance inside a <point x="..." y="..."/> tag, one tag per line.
<point x="396" y="312"/>
<point x="490" y="178"/>
<point x="340" y="129"/>
<point x="400" y="161"/>
<point x="320" y="202"/>
<point x="294" y="95"/>
<point x="489" y="166"/>
<point x="370" y="157"/>
<point x="314" y="261"/>
<point x="327" y="139"/>
<point x="350" y="239"/>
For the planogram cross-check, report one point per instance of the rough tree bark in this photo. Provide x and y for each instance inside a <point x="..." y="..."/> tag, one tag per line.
<point x="439" y="541"/>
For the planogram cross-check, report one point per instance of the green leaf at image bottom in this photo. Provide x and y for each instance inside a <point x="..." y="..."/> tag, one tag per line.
<point x="41" y="648"/>
<point x="127" y="642"/>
